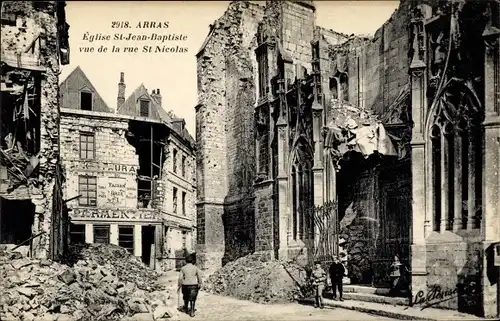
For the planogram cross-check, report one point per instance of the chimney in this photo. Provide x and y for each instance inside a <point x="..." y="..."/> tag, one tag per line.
<point x="121" y="91"/>
<point x="157" y="96"/>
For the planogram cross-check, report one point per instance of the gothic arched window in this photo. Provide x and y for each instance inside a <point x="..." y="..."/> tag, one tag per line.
<point x="456" y="150"/>
<point x="302" y="194"/>
<point x="344" y="87"/>
<point x="334" y="88"/>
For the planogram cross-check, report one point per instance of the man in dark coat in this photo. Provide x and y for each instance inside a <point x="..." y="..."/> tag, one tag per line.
<point x="337" y="272"/>
<point x="190" y="283"/>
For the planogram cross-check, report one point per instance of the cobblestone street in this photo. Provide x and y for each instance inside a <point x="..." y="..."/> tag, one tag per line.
<point x="214" y="307"/>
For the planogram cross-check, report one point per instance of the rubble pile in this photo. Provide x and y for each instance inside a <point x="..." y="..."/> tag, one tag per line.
<point x="103" y="282"/>
<point x="358" y="250"/>
<point x="251" y="278"/>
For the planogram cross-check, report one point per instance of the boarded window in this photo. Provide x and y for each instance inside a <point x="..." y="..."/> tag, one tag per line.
<point x="184" y="203"/>
<point x="8" y="19"/>
<point x="101" y="234"/>
<point x="85" y="100"/>
<point x="77" y="233"/>
<point x="87" y="186"/>
<point x="87" y="145"/>
<point x="174" y="200"/>
<point x="126" y="238"/>
<point x="184" y="243"/>
<point x="144" y="108"/>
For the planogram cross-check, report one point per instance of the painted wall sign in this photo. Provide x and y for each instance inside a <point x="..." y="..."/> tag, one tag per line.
<point x="116" y="190"/>
<point x="124" y="214"/>
<point x="108" y="167"/>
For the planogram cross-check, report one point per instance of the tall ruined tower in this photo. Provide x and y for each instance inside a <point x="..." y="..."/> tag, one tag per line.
<point x="235" y="208"/>
<point x="224" y="136"/>
<point x="284" y="51"/>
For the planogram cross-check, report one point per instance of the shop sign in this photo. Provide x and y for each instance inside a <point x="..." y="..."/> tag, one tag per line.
<point x="123" y="214"/>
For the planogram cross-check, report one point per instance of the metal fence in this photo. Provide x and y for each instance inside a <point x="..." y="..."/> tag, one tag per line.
<point x="326" y="225"/>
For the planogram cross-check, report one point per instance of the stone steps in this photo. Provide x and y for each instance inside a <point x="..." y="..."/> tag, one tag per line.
<point x="368" y="290"/>
<point x="370" y="294"/>
<point x="375" y="298"/>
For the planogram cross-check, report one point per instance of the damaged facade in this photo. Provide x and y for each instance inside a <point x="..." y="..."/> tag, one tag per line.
<point x="313" y="142"/>
<point x="34" y="45"/>
<point x="132" y="172"/>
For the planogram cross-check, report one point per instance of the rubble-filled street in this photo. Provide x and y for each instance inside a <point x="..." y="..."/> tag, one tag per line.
<point x="99" y="282"/>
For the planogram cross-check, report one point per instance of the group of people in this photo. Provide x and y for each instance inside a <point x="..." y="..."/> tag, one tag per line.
<point x="319" y="278"/>
<point x="337" y="272"/>
<point x="190" y="281"/>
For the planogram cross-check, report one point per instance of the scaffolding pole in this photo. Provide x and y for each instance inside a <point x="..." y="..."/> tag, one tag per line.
<point x="151" y="160"/>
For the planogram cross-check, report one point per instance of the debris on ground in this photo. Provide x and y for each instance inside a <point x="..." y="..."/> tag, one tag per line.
<point x="254" y="279"/>
<point x="96" y="282"/>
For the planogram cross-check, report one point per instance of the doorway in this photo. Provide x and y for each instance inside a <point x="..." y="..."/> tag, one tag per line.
<point x="16" y="220"/>
<point x="148" y="239"/>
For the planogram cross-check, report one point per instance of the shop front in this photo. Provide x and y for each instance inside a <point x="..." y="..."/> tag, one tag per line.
<point x="140" y="231"/>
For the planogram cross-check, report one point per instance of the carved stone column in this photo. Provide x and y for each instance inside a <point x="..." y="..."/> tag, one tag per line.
<point x="318" y="164"/>
<point x="421" y="219"/>
<point x="318" y="123"/>
<point x="490" y="224"/>
<point x="282" y="181"/>
<point x="282" y="178"/>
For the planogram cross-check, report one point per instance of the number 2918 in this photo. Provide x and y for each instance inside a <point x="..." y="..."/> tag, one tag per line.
<point x="119" y="24"/>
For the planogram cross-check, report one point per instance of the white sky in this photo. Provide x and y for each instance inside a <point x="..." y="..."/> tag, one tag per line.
<point x="175" y="74"/>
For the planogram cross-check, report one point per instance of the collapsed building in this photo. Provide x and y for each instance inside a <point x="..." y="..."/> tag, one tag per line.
<point x="132" y="172"/>
<point x="313" y="142"/>
<point x="34" y="45"/>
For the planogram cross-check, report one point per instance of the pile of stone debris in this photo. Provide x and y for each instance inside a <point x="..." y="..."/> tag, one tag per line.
<point x="98" y="282"/>
<point x="252" y="278"/>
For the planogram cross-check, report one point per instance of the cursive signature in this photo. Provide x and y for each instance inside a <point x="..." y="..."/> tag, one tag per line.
<point x="434" y="296"/>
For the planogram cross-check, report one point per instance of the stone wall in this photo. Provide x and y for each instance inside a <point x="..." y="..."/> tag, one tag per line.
<point x="115" y="164"/>
<point x="224" y="135"/>
<point x="454" y="265"/>
<point x="378" y="67"/>
<point x="33" y="20"/>
<point x="264" y="223"/>
<point x="183" y="183"/>
<point x="298" y="23"/>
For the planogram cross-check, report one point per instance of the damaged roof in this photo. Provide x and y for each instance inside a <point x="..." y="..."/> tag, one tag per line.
<point x="351" y="128"/>
<point x="179" y="126"/>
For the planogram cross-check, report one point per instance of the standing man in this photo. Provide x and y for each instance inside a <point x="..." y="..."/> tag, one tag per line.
<point x="337" y="272"/>
<point x="318" y="280"/>
<point x="190" y="283"/>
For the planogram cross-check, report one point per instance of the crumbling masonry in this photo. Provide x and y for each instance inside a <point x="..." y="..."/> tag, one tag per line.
<point x="313" y="143"/>
<point x="34" y="44"/>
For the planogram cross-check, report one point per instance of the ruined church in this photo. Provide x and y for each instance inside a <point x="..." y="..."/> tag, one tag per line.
<point x="311" y="142"/>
